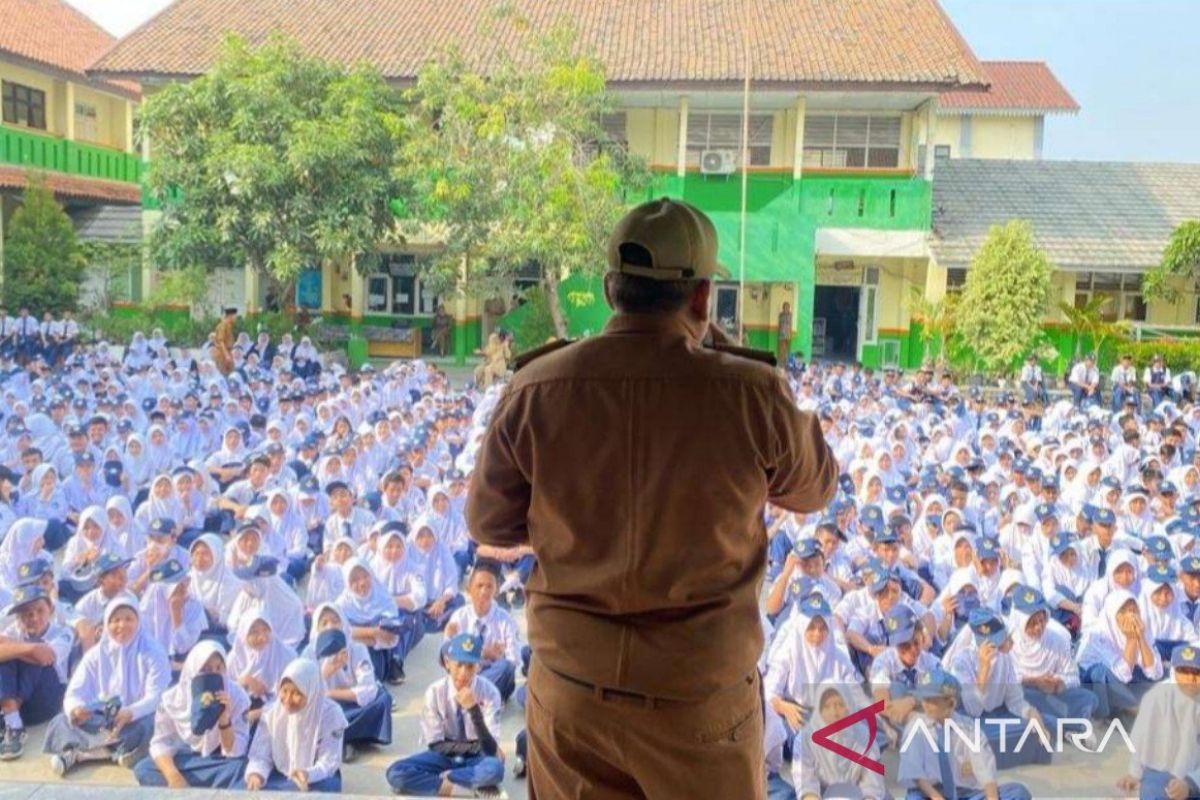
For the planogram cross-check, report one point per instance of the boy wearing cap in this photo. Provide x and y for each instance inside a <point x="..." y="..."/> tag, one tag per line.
<point x="1165" y="762"/>
<point x="938" y="764"/>
<point x="161" y="546"/>
<point x="483" y="617"/>
<point x="34" y="651"/>
<point x="112" y="578"/>
<point x="895" y="671"/>
<point x="805" y="561"/>
<point x="460" y="722"/>
<point x="1189" y="582"/>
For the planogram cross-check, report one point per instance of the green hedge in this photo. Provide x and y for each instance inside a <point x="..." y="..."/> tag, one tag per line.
<point x="183" y="331"/>
<point x="1179" y="355"/>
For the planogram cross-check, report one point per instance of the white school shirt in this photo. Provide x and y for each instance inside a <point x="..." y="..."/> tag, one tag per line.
<point x="440" y="718"/>
<point x="360" y="521"/>
<point x="888" y="667"/>
<point x="1080" y="374"/>
<point x="919" y="762"/>
<point x="57" y="637"/>
<point x="1165" y="709"/>
<point x="1124" y="376"/>
<point x="1003" y="686"/>
<point x="497" y="625"/>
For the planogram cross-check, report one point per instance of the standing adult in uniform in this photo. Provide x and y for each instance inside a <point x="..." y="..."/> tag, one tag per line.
<point x="637" y="464"/>
<point x="223" y="346"/>
<point x="785" y="328"/>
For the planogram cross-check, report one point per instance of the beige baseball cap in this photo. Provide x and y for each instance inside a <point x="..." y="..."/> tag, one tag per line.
<point x="679" y="239"/>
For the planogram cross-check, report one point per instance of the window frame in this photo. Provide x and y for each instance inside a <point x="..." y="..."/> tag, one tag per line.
<point x="15" y="96"/>
<point x="835" y="154"/>
<point x="762" y="136"/>
<point x="1125" y="292"/>
<point x="397" y="268"/>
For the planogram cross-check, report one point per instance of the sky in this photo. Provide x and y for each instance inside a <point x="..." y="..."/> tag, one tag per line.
<point x="1131" y="64"/>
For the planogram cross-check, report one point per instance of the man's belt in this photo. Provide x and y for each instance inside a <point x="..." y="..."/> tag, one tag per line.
<point x="618" y="695"/>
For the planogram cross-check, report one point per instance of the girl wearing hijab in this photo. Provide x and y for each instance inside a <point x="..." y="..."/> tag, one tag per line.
<point x="818" y="771"/>
<point x="264" y="592"/>
<point x="158" y="450"/>
<point x="162" y="502"/>
<point x="349" y="678"/>
<point x="1122" y="574"/>
<point x="394" y="569"/>
<point x="25" y="541"/>
<point x="213" y="584"/>
<point x="137" y="466"/>
<point x="447" y="524"/>
<point x="170" y="615"/>
<point x="108" y="709"/>
<point x="200" y="730"/>
<point x="1117" y="658"/>
<point x="287" y="528"/>
<point x="91" y="540"/>
<point x="953" y="608"/>
<point x="298" y="743"/>
<point x="1166" y="625"/>
<point x="125" y="528"/>
<point x="326" y="583"/>
<point x="804" y="659"/>
<point x="435" y="565"/>
<point x="1045" y="663"/>
<point x="373" y="615"/>
<point x="258" y="661"/>
<point x="1065" y="580"/>
<point x="45" y="501"/>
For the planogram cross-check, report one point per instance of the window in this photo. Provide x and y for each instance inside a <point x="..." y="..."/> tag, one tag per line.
<point x="941" y="152"/>
<point x="398" y="289"/>
<point x="724" y="132"/>
<point x="86" y="127"/>
<point x="956" y="279"/>
<point x="615" y="130"/>
<point x="1122" y="292"/>
<point x="24" y="106"/>
<point x="851" y="141"/>
<point x="725" y="306"/>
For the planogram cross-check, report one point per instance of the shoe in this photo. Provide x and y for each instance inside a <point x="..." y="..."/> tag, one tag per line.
<point x="62" y="762"/>
<point x="13" y="744"/>
<point x="128" y="759"/>
<point x="518" y="767"/>
<point x="487" y="791"/>
<point x="349" y="753"/>
<point x="396" y="676"/>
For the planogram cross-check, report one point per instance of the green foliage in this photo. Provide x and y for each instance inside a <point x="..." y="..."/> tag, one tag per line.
<point x="118" y="327"/>
<point x="43" y="262"/>
<point x="536" y="325"/>
<point x="272" y="160"/>
<point x="936" y="319"/>
<point x="1005" y="296"/>
<point x="1180" y="355"/>
<point x="1088" y="325"/>
<point x="185" y="286"/>
<point x="113" y="262"/>
<point x="515" y="167"/>
<point x="1181" y="257"/>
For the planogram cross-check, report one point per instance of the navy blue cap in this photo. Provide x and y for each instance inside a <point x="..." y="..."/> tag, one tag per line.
<point x="206" y="708"/>
<point x="807" y="548"/>
<point x="1159" y="547"/>
<point x="85" y="459"/>
<point x="1186" y="656"/>
<point x="330" y="642"/>
<point x="1161" y="573"/>
<point x="987" y="548"/>
<point x="872" y="517"/>
<point x="1104" y="516"/>
<point x="1166" y="487"/>
<point x="32" y="571"/>
<point x="1060" y="542"/>
<point x="900" y="625"/>
<point x="334" y="486"/>
<point x="23" y="596"/>
<point x="102" y="715"/>
<point x="170" y="571"/>
<point x="465" y="649"/>
<point x="897" y="495"/>
<point x="888" y="535"/>
<point x="162" y="526"/>
<point x="110" y="561"/>
<point x="259" y="567"/>
<point x="802" y="587"/>
<point x="987" y="627"/>
<point x="814" y="605"/>
<point x="309" y="485"/>
<point x="937" y="683"/>
<point x="1051" y="484"/>
<point x="1110" y="482"/>
<point x="1029" y="600"/>
<point x="1045" y="511"/>
<point x="1190" y="565"/>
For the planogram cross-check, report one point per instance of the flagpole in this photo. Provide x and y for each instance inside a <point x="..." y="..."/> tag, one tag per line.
<point x="745" y="183"/>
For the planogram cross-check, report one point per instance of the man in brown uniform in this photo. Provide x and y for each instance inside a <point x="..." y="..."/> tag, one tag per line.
<point x="223" y="344"/>
<point x="637" y="464"/>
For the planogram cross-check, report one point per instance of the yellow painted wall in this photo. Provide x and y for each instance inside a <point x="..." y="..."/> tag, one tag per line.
<point x="947" y="132"/>
<point x="110" y="109"/>
<point x="653" y="134"/>
<point x="1062" y="288"/>
<point x="110" y="117"/>
<point x="1164" y="312"/>
<point x="1003" y="137"/>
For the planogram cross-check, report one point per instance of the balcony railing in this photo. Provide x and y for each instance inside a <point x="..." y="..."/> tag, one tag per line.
<point x="39" y="151"/>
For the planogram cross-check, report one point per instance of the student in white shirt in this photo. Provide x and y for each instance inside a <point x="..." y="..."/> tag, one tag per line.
<point x="1165" y="761"/>
<point x="481" y="616"/>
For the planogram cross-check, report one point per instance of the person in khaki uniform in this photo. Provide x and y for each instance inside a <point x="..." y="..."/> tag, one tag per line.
<point x="636" y="464"/>
<point x="223" y="351"/>
<point x="496" y="356"/>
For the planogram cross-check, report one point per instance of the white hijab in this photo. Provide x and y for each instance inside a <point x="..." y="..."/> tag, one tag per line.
<point x="122" y="670"/>
<point x="367" y="610"/>
<point x="266" y="664"/>
<point x="216" y="587"/>
<point x="177" y="701"/>
<point x="294" y="737"/>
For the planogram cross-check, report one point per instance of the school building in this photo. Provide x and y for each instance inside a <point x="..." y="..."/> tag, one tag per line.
<point x="864" y="119"/>
<point x="75" y="129"/>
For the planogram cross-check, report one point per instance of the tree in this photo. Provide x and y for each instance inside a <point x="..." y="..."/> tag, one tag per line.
<point x="1005" y="296"/>
<point x="272" y="161"/>
<point x="512" y="166"/>
<point x="1181" y="257"/>
<point x="43" y="262"/>
<point x="937" y="319"/>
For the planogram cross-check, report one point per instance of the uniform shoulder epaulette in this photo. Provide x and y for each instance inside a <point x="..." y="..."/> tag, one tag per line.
<point x="532" y="355"/>
<point x="764" y="356"/>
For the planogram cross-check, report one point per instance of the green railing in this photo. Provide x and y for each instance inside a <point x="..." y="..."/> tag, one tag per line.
<point x="28" y="149"/>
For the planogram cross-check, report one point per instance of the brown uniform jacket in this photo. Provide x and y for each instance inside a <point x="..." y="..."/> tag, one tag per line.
<point x="637" y="464"/>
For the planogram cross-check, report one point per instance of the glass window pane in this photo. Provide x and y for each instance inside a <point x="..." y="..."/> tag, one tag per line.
<point x="885" y="132"/>
<point x="377" y="294"/>
<point x="819" y="130"/>
<point x="404" y="295"/>
<point x="881" y="157"/>
<point x="1106" y="280"/>
<point x="852" y="131"/>
<point x="1133" y="281"/>
<point x="1135" y="308"/>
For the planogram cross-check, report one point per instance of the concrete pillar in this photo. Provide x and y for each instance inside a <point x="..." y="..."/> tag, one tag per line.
<point x="798" y="156"/>
<point x="129" y="145"/>
<point x="328" y="275"/>
<point x="252" y="280"/>
<point x="70" y="111"/>
<point x="681" y="155"/>
<point x="358" y="294"/>
<point x="935" y="281"/>
<point x="929" y="119"/>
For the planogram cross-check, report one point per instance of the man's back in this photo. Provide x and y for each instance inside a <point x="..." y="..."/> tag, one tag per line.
<point x="637" y="465"/>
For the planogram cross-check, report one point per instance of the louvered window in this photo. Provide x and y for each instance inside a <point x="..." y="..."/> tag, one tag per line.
<point x="724" y="132"/>
<point x="843" y="141"/>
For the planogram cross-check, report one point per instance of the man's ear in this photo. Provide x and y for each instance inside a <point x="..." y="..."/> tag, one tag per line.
<point x="608" y="278"/>
<point x="699" y="302"/>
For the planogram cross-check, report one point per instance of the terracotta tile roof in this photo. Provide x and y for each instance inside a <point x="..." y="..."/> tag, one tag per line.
<point x="794" y="42"/>
<point x="1027" y="86"/>
<point x="75" y="186"/>
<point x="52" y="33"/>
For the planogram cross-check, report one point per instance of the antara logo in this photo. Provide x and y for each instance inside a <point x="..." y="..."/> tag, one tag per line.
<point x="821" y="737"/>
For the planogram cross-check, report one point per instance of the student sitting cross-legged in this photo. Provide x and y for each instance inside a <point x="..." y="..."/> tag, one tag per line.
<point x="459" y="723"/>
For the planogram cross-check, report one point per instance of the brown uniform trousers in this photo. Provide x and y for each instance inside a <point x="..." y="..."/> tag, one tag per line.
<point x="637" y="464"/>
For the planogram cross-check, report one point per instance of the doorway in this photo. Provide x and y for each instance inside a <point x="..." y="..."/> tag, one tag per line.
<point x="835" y="323"/>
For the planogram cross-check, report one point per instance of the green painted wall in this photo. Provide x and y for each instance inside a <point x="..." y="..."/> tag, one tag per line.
<point x="28" y="149"/>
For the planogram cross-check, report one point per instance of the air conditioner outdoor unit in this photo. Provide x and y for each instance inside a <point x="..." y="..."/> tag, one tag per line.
<point x="718" y="162"/>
